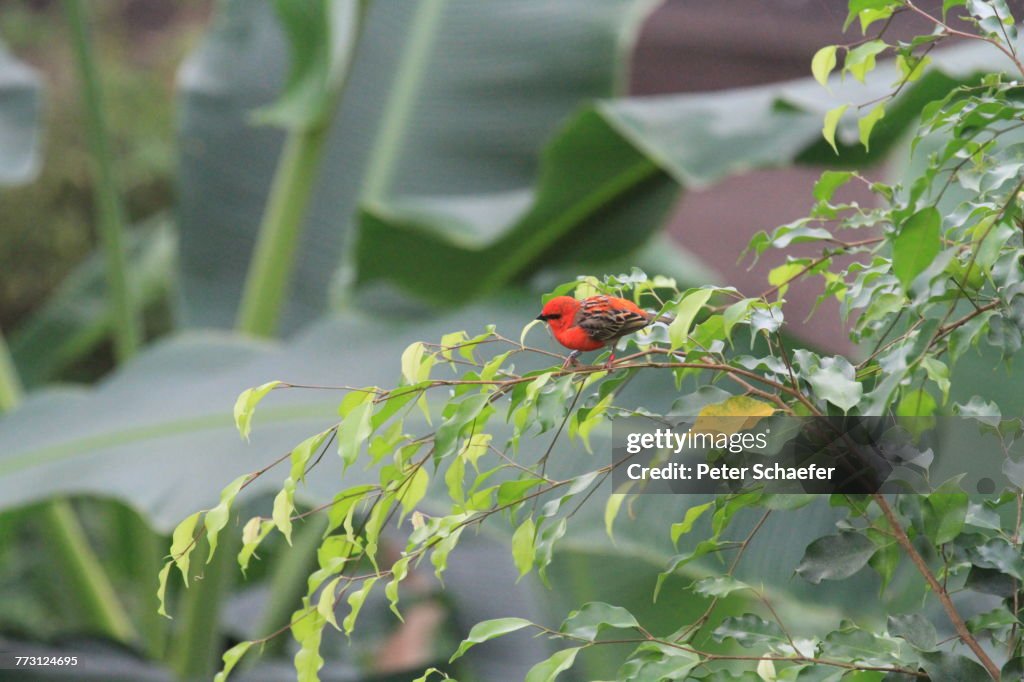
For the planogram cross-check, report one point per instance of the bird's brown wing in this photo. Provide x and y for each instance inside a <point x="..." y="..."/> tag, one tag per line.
<point x="603" y="321"/>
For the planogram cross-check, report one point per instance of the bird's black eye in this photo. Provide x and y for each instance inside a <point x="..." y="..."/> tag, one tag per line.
<point x="554" y="316"/>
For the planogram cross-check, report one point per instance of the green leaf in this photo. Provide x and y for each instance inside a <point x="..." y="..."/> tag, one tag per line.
<point x="427" y="674"/>
<point x="656" y="661"/>
<point x="998" y="554"/>
<point x="678" y="561"/>
<point x="548" y="670"/>
<point x="829" y="182"/>
<point x="718" y="586"/>
<point x="916" y="629"/>
<point x="996" y="619"/>
<point x="355" y="603"/>
<point x="217" y="517"/>
<point x="161" y="590"/>
<point x="321" y="38"/>
<point x="749" y="630"/>
<point x="867" y="123"/>
<point x="916" y="245"/>
<point x="523" y="549"/>
<point x="20" y="119"/>
<point x="828" y="129"/>
<point x="734" y="314"/>
<point x="611" y="510"/>
<point x="481" y="244"/>
<point x="488" y="630"/>
<point x="939" y="373"/>
<point x="255" y="530"/>
<point x="307" y="628"/>
<point x="686" y="312"/>
<point x="412" y="492"/>
<point x="453" y="478"/>
<point x="510" y="491"/>
<point x="781" y="276"/>
<point x="945" y="511"/>
<point x="859" y="7"/>
<point x="594" y="416"/>
<point x="885" y="561"/>
<point x="835" y="557"/>
<point x="325" y="605"/>
<point x="439" y="557"/>
<point x="913" y="68"/>
<point x="834" y="380"/>
<point x="466" y="413"/>
<point x="411" y="143"/>
<point x="941" y="665"/>
<point x="413" y="363"/>
<point x="869" y="16"/>
<point x="1014" y="471"/>
<point x="284" y="505"/>
<point x="593" y="617"/>
<point x="399" y="570"/>
<point x="452" y="342"/>
<point x="246" y="405"/>
<point x="183" y="543"/>
<point x="861" y="60"/>
<point x="354" y="431"/>
<point x="686" y="525"/>
<point x="916" y="410"/>
<point x="986" y="412"/>
<point x="231" y="658"/>
<point x="823" y="62"/>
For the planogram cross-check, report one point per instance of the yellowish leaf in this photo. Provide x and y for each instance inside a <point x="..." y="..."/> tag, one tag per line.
<point x="735" y="414"/>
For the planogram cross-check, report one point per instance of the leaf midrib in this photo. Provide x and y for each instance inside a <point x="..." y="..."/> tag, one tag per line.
<point x="179" y="427"/>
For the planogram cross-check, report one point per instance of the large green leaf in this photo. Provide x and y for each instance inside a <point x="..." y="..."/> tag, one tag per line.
<point x="606" y="179"/>
<point x="447" y="178"/>
<point x="445" y="97"/>
<point x="20" y="106"/>
<point x="598" y="198"/>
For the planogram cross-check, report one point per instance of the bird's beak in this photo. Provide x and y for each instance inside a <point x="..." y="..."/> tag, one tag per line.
<point x="541" y="317"/>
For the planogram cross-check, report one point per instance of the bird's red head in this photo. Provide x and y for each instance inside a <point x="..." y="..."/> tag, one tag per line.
<point x="560" y="312"/>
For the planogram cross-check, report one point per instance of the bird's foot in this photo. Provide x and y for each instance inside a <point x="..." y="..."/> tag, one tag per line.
<point x="571" y="360"/>
<point x="609" y="365"/>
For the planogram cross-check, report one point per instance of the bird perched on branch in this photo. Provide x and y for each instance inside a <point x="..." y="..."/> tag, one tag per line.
<point x="593" y="322"/>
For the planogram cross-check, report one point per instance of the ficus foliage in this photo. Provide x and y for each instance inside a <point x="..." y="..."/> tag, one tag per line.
<point x="931" y="270"/>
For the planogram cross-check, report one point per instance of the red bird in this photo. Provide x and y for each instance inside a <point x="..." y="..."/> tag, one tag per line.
<point x="593" y="322"/>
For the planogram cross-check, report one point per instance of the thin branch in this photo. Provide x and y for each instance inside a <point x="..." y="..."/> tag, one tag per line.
<point x="947" y="604"/>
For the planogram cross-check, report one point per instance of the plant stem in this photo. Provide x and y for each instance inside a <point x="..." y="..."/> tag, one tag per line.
<point x="268" y="279"/>
<point x="93" y="589"/>
<point x="79" y="565"/>
<point x="266" y="286"/>
<point x="947" y="604"/>
<point x="401" y="99"/>
<point x="10" y="383"/>
<point x="110" y="214"/>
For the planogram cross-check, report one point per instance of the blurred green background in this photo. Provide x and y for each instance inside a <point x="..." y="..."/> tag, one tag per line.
<point x="297" y="192"/>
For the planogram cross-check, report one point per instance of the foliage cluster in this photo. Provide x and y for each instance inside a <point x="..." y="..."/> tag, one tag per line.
<point x="925" y="285"/>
